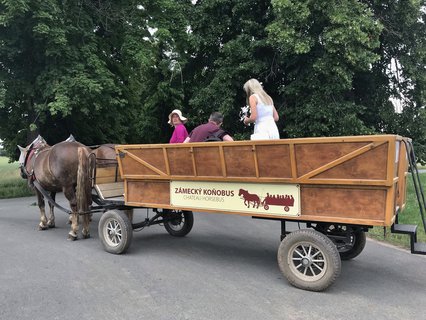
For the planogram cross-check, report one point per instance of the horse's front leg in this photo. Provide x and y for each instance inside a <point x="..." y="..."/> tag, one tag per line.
<point x="51" y="221"/>
<point x="70" y="195"/>
<point x="43" y="219"/>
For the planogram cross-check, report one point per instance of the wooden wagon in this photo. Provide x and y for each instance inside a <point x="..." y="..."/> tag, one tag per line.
<point x="338" y="186"/>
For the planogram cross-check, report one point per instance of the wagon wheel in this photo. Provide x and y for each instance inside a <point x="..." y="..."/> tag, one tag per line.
<point x="350" y="242"/>
<point x="178" y="223"/>
<point x="266" y="207"/>
<point x="115" y="231"/>
<point x="309" y="260"/>
<point x="286" y="209"/>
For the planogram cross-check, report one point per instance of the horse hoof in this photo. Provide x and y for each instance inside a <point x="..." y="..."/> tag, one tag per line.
<point x="51" y="225"/>
<point x="42" y="228"/>
<point x="72" y="237"/>
<point x="86" y="236"/>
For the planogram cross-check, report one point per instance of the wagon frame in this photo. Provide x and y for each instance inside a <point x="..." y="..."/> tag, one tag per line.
<point x="341" y="186"/>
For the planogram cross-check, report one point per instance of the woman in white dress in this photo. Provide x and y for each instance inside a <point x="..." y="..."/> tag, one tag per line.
<point x="262" y="112"/>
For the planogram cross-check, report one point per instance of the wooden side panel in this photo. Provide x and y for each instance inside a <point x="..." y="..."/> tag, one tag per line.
<point x="351" y="203"/>
<point x="207" y="161"/>
<point x="239" y="161"/>
<point x="152" y="156"/>
<point x="274" y="161"/>
<point x="371" y="165"/>
<point x="180" y="162"/>
<point x="312" y="156"/>
<point x="133" y="167"/>
<point x="148" y="192"/>
<point x="107" y="175"/>
<point x="110" y="190"/>
<point x="342" y="179"/>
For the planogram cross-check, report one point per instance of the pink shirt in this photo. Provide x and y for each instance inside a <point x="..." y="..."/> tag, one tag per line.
<point x="179" y="134"/>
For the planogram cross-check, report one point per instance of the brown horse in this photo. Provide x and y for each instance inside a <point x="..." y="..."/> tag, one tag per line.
<point x="62" y="167"/>
<point x="105" y="154"/>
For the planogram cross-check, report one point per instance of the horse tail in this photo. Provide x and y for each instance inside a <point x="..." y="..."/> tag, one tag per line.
<point x="83" y="189"/>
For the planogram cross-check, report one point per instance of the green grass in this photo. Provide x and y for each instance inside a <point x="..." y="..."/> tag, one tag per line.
<point x="11" y="183"/>
<point x="410" y="215"/>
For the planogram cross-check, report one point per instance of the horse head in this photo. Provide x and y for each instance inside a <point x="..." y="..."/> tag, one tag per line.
<point x="37" y="144"/>
<point x="22" y="157"/>
<point x="242" y="192"/>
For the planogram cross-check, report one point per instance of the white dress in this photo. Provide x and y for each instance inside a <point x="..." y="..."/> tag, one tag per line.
<point x="264" y="127"/>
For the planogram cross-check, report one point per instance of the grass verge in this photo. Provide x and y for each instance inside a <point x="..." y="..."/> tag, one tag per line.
<point x="11" y="183"/>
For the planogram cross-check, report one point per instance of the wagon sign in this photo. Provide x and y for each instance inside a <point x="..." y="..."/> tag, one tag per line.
<point x="261" y="198"/>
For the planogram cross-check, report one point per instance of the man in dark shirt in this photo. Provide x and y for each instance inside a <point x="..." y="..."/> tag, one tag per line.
<point x="209" y="129"/>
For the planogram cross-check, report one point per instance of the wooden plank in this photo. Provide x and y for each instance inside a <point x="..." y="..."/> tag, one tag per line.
<point x="148" y="192"/>
<point x="239" y="161"/>
<point x="274" y="161"/>
<point x="107" y="175"/>
<point x="342" y="202"/>
<point x="207" y="162"/>
<point x="256" y="164"/>
<point x="110" y="190"/>
<point x="146" y="164"/>
<point x="222" y="161"/>
<point x="180" y="161"/>
<point x="340" y="160"/>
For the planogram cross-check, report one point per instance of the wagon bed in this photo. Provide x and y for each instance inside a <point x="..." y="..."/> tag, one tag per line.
<point x="338" y="186"/>
<point x="351" y="180"/>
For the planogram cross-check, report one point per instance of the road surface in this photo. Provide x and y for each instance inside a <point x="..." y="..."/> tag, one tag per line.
<point x="226" y="268"/>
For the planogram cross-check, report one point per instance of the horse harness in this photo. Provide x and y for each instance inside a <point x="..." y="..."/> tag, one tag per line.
<point x="32" y="155"/>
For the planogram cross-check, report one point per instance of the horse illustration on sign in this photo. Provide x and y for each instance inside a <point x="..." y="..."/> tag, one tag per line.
<point x="249" y="197"/>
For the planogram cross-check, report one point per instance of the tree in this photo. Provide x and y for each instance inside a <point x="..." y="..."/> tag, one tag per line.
<point x="111" y="71"/>
<point x="399" y="73"/>
<point x="60" y="70"/>
<point x="161" y="77"/>
<point x="228" y="45"/>
<point x="322" y="45"/>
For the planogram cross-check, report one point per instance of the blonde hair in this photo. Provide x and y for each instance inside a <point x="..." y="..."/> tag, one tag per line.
<point x="254" y="87"/>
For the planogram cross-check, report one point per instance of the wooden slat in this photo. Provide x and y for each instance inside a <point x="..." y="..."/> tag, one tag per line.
<point x="340" y="160"/>
<point x="256" y="164"/>
<point x="110" y="190"/>
<point x="146" y="164"/>
<point x="107" y="175"/>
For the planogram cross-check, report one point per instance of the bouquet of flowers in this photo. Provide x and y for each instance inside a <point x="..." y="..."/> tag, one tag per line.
<point x="244" y="113"/>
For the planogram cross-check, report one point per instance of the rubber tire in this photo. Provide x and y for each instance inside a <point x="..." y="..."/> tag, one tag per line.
<point x="317" y="240"/>
<point x="359" y="245"/>
<point x="186" y="227"/>
<point x="121" y="221"/>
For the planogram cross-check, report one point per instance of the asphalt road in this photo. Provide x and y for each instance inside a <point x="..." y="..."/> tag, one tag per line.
<point x="226" y="268"/>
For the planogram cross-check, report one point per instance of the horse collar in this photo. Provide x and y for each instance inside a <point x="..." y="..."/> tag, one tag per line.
<point x="32" y="156"/>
